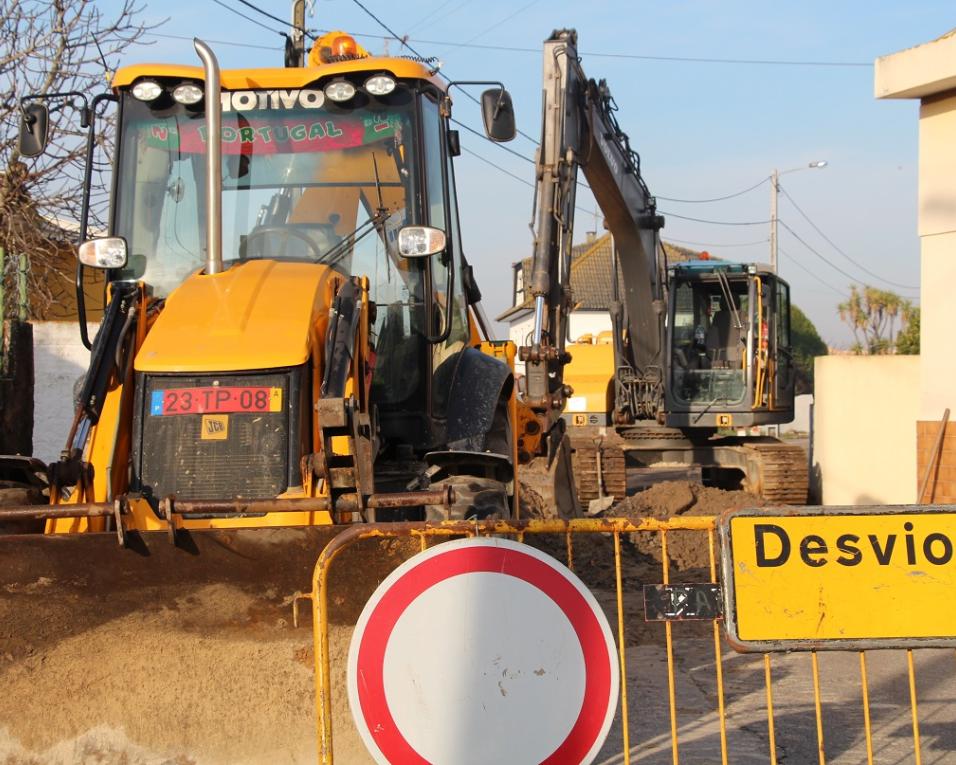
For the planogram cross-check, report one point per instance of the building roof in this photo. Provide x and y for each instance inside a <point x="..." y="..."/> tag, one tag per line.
<point x="591" y="283"/>
<point x="918" y="72"/>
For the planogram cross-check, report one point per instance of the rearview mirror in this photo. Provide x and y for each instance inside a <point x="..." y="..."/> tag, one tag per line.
<point x="107" y="252"/>
<point x="34" y="123"/>
<point x="420" y="241"/>
<point x="498" y="114"/>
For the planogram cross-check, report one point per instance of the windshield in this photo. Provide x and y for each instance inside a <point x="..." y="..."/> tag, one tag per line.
<point x="710" y="326"/>
<point x="300" y="175"/>
<point x="302" y="179"/>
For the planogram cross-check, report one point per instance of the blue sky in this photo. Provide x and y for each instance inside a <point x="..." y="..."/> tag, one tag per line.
<point x="703" y="129"/>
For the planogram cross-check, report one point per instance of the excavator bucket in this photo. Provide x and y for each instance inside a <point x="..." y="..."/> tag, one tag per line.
<point x="160" y="653"/>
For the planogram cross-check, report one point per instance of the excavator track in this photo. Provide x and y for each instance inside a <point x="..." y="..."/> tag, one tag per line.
<point x="771" y="469"/>
<point x="777" y="472"/>
<point x="587" y="476"/>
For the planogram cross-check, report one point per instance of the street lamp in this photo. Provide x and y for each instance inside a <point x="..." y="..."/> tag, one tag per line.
<point x="774" y="190"/>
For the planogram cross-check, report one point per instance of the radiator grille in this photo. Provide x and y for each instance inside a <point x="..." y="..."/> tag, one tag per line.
<point x="252" y="462"/>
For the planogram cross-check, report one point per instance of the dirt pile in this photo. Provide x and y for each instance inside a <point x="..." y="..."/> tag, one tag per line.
<point x="688" y="551"/>
<point x="641" y="560"/>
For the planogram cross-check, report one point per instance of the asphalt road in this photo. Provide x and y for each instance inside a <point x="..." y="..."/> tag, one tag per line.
<point x="748" y="738"/>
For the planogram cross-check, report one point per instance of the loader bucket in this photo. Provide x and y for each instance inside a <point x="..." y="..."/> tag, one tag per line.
<point x="162" y="653"/>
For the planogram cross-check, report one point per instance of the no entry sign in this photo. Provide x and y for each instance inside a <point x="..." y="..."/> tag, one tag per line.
<point x="483" y="651"/>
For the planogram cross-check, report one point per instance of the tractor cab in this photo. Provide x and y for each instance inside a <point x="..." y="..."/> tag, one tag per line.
<point x="343" y="164"/>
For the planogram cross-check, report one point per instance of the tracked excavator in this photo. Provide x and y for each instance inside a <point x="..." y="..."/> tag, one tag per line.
<point x="701" y="350"/>
<point x="292" y="342"/>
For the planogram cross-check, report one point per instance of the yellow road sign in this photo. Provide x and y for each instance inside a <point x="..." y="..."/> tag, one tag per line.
<point x="839" y="577"/>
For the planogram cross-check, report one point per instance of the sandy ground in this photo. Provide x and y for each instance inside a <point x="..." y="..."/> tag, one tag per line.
<point x="162" y="669"/>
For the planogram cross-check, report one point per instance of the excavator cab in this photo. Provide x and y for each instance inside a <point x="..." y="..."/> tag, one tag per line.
<point x="728" y="332"/>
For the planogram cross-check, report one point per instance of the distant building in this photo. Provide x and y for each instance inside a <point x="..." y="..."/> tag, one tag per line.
<point x="591" y="287"/>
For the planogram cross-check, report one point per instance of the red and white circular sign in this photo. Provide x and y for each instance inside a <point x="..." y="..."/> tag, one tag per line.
<point x="483" y="651"/>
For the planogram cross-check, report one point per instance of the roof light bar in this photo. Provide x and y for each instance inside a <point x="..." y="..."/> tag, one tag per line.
<point x="147" y="90"/>
<point x="187" y="94"/>
<point x="379" y="85"/>
<point x="339" y="90"/>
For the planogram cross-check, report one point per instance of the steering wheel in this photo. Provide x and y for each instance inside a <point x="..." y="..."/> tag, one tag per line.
<point x="285" y="232"/>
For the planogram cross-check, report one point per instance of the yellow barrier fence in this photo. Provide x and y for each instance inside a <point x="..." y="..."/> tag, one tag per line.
<point x="685" y="696"/>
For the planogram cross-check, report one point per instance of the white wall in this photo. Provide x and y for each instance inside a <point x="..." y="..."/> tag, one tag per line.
<point x="801" y="415"/>
<point x="581" y="323"/>
<point x="864" y="429"/>
<point x="59" y="359"/>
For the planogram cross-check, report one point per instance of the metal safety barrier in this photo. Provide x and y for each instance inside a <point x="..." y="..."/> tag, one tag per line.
<point x="709" y="704"/>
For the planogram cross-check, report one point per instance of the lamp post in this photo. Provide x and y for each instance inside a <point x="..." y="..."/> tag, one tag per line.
<point x="774" y="190"/>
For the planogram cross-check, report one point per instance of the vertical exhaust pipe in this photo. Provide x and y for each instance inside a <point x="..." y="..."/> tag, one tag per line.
<point x="213" y="157"/>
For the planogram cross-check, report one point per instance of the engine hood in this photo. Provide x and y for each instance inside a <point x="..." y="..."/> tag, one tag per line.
<point x="255" y="315"/>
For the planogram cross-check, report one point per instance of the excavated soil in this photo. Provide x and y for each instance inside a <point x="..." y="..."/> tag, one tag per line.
<point x="161" y="664"/>
<point x="167" y="657"/>
<point x="687" y="551"/>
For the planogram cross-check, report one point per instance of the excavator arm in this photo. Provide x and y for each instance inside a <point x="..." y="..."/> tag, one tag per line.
<point x="580" y="132"/>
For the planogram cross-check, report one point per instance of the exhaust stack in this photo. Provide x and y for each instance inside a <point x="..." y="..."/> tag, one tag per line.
<point x="213" y="158"/>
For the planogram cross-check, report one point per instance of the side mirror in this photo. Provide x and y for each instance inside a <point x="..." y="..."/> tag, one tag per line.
<point x="498" y="114"/>
<point x="34" y="123"/>
<point x="420" y="241"/>
<point x="108" y="252"/>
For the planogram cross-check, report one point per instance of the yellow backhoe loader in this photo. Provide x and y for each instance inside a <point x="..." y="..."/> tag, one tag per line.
<point x="292" y="342"/>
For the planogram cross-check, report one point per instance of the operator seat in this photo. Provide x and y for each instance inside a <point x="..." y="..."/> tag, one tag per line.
<point x="723" y="340"/>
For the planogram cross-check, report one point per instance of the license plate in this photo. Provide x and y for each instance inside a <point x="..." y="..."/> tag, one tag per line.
<point x="215" y="400"/>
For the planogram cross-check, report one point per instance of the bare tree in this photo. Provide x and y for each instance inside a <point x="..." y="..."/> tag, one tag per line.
<point x="48" y="47"/>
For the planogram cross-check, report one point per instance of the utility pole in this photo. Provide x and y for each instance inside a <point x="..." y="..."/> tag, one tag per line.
<point x="774" y="190"/>
<point x="295" y="42"/>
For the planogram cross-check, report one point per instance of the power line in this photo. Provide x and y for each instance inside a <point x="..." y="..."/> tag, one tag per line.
<point x="518" y="178"/>
<point x="284" y="23"/>
<point x="806" y="270"/>
<point x="525" y="181"/>
<point x="839" y="250"/>
<point x="676" y="59"/>
<point x="718" y="199"/>
<point x="830" y="263"/>
<point x="437" y="9"/>
<point x="498" y="23"/>
<point x="716" y="222"/>
<point x="383" y="25"/>
<point x="722" y="244"/>
<point x="247" y="18"/>
<point x="481" y="135"/>
<point x="404" y="41"/>
<point x="218" y="42"/>
<point x="639" y="57"/>
<point x="432" y="19"/>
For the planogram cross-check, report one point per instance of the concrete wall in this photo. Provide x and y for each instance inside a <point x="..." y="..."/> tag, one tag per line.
<point x="59" y="359"/>
<point x="928" y="72"/>
<point x="864" y="424"/>
<point x="937" y="229"/>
